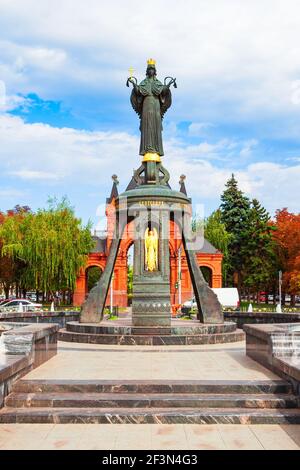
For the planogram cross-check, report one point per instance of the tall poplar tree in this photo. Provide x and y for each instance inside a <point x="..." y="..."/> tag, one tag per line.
<point x="10" y="269"/>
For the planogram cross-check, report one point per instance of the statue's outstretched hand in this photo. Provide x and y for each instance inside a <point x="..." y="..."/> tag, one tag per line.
<point x="171" y="82"/>
<point x="132" y="80"/>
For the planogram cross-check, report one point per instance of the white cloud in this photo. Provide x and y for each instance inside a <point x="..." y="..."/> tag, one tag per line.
<point x="2" y="96"/>
<point x="23" y="66"/>
<point x="220" y="150"/>
<point x="236" y="62"/>
<point x="197" y="129"/>
<point x="39" y="151"/>
<point x="248" y="147"/>
<point x="11" y="193"/>
<point x="41" y="57"/>
<point x="243" y="55"/>
<point x="38" y="154"/>
<point x="274" y="185"/>
<point x="11" y="102"/>
<point x="34" y="175"/>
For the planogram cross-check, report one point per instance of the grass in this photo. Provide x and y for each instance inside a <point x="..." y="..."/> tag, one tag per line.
<point x="113" y="317"/>
<point x="262" y="307"/>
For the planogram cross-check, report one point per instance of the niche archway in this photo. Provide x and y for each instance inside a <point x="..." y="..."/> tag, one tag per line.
<point x="207" y="274"/>
<point x="93" y="274"/>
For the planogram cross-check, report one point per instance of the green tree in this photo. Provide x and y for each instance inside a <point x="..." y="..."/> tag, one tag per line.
<point x="258" y="249"/>
<point x="235" y="209"/>
<point x="93" y="276"/>
<point x="215" y="232"/>
<point x="52" y="244"/>
<point x="10" y="269"/>
<point x="287" y="240"/>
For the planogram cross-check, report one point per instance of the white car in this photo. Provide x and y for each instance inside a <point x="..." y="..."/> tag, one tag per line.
<point x="14" y="305"/>
<point x="227" y="296"/>
<point x="190" y="303"/>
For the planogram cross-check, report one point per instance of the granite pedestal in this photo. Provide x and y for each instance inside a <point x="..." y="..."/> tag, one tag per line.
<point x="179" y="332"/>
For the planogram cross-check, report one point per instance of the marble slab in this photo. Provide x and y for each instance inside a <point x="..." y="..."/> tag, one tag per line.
<point x="146" y="416"/>
<point x="262" y="346"/>
<point x="153" y="386"/>
<point x="24" y="348"/>
<point x="119" y="332"/>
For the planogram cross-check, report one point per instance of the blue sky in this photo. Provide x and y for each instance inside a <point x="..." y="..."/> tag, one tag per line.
<point x="66" y="124"/>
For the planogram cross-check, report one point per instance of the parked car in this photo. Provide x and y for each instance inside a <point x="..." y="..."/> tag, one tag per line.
<point x="227" y="296"/>
<point x="31" y="296"/>
<point x="4" y="301"/>
<point x="262" y="297"/>
<point x="13" y="305"/>
<point x="190" y="303"/>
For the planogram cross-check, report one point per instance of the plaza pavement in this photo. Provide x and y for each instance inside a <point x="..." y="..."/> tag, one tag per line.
<point x="207" y="362"/>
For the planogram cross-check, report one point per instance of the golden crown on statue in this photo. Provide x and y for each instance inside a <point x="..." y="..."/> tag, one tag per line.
<point x="151" y="62"/>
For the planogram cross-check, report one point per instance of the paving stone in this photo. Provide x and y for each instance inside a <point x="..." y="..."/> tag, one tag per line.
<point x="275" y="437"/>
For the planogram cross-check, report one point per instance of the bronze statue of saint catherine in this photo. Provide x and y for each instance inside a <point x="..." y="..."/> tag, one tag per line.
<point x="151" y="99"/>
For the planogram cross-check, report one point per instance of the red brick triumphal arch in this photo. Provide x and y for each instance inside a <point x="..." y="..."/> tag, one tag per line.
<point x="208" y="257"/>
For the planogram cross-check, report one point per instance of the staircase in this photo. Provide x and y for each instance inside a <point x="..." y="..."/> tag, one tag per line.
<point x="140" y="402"/>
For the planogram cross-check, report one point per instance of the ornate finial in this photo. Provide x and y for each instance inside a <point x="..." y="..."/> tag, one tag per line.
<point x="115" y="179"/>
<point x="131" y="70"/>
<point x="182" y="185"/>
<point x="151" y="62"/>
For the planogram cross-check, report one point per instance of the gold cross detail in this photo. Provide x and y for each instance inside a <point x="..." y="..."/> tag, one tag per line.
<point x="131" y="70"/>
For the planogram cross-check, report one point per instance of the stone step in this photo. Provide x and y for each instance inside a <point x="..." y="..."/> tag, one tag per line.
<point x="152" y="331"/>
<point x="135" y="400"/>
<point x="150" y="340"/>
<point x="146" y="416"/>
<point x="179" y="327"/>
<point x="216" y="387"/>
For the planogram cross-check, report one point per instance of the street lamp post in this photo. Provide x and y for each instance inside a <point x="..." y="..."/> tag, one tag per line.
<point x="179" y="276"/>
<point x="280" y="284"/>
<point x="112" y="293"/>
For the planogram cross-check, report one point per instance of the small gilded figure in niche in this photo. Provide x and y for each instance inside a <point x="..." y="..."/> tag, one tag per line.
<point x="151" y="99"/>
<point x="151" y="250"/>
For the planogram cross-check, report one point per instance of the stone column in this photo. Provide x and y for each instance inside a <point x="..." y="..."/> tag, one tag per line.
<point x="80" y="289"/>
<point x="151" y="290"/>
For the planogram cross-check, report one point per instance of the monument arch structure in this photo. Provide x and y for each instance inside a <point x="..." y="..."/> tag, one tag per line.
<point x="208" y="256"/>
<point x="149" y="214"/>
